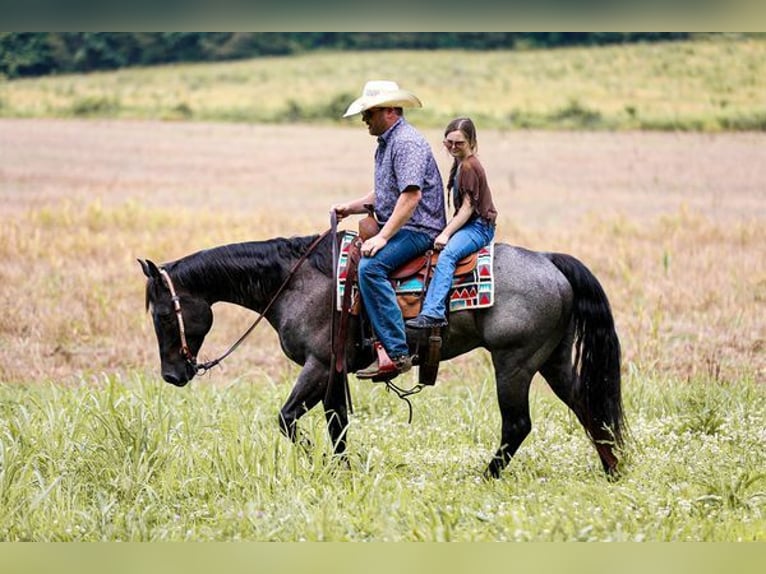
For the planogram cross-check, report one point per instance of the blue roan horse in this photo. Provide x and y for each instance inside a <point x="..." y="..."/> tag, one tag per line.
<point x="547" y="305"/>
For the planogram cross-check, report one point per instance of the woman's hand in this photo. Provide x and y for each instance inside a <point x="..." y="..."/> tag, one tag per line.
<point x="441" y="240"/>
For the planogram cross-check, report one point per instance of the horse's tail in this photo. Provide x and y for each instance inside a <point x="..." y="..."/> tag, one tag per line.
<point x="597" y="349"/>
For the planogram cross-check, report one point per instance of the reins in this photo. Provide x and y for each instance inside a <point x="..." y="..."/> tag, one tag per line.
<point x="404" y="394"/>
<point x="337" y="363"/>
<point x="186" y="352"/>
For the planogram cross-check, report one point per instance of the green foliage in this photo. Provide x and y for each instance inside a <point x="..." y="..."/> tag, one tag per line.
<point x="710" y="84"/>
<point x="574" y="114"/>
<point x="95" y="106"/>
<point x="36" y="54"/>
<point x="296" y="112"/>
<point x="754" y="122"/>
<point x="25" y="54"/>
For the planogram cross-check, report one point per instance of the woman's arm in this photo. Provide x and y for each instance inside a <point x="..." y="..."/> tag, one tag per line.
<point x="461" y="218"/>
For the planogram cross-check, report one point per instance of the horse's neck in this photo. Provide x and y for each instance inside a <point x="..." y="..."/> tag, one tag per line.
<point x="237" y="278"/>
<point x="251" y="274"/>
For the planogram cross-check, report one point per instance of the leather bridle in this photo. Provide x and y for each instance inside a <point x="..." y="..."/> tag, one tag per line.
<point x="185" y="351"/>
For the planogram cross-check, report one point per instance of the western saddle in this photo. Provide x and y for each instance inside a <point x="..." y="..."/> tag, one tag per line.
<point x="428" y="344"/>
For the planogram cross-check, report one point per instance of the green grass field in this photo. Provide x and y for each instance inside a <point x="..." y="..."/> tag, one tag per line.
<point x="133" y="459"/>
<point x="710" y="84"/>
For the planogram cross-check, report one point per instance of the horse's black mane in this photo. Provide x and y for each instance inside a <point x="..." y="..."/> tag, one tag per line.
<point x="237" y="262"/>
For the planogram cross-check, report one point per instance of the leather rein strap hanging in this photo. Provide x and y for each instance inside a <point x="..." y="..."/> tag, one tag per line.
<point x="186" y="352"/>
<point x="338" y="323"/>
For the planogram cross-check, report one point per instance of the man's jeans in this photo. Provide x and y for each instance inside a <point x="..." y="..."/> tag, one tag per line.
<point x="471" y="237"/>
<point x="378" y="294"/>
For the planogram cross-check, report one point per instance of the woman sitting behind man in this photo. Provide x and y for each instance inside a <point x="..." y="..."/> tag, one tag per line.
<point x="472" y="226"/>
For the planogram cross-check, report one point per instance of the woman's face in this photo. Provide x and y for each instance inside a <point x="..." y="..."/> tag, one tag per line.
<point x="457" y="145"/>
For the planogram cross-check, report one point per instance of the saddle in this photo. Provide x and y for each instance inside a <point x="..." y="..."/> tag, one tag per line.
<point x="416" y="272"/>
<point x="420" y="268"/>
<point x="423" y="266"/>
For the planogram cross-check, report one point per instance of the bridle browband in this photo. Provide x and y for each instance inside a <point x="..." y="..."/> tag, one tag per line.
<point x="191" y="360"/>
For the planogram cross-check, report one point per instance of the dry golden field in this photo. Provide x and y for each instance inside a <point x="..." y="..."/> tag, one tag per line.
<point x="674" y="226"/>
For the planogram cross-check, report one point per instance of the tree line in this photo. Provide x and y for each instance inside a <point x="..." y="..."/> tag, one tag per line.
<point x="24" y="54"/>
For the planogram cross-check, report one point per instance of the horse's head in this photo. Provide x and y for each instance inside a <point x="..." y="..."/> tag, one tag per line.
<point x="180" y="324"/>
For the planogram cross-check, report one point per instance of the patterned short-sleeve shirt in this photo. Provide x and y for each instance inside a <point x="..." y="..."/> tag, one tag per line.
<point x="404" y="158"/>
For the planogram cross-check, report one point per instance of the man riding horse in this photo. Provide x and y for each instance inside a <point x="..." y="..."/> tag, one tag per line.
<point x="408" y="200"/>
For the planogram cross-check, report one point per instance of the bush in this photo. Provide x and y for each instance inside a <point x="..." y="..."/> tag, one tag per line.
<point x="90" y="106"/>
<point x="574" y="114"/>
<point x="754" y="122"/>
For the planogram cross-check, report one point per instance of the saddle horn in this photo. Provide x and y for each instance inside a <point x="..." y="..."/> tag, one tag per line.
<point x="368" y="226"/>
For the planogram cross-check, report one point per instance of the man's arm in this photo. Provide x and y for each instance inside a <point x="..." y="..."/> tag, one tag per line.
<point x="354" y="207"/>
<point x="403" y="210"/>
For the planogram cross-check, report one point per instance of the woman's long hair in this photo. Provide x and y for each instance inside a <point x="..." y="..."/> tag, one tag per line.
<point x="468" y="129"/>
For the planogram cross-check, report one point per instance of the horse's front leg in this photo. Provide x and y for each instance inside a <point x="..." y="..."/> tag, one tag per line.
<point x="309" y="389"/>
<point x="336" y="412"/>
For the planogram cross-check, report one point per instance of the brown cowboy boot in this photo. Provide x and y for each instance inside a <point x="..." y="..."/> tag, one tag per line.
<point x="384" y="368"/>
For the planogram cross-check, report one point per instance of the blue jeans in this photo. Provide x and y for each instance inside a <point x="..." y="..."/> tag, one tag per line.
<point x="471" y="237"/>
<point x="378" y="294"/>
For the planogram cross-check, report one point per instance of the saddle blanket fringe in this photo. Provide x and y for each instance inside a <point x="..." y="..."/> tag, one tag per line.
<point x="473" y="290"/>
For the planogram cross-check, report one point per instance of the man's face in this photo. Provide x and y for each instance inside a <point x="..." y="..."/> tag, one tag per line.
<point x="378" y="120"/>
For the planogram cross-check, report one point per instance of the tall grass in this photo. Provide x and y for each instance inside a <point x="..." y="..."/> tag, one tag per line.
<point x="672" y="226"/>
<point x="687" y="292"/>
<point x="707" y="84"/>
<point x="134" y="459"/>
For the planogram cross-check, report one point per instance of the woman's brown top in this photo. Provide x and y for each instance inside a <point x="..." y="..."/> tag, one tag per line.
<point x="472" y="182"/>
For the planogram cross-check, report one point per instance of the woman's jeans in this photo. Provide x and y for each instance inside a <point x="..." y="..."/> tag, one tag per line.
<point x="471" y="237"/>
<point x="378" y="294"/>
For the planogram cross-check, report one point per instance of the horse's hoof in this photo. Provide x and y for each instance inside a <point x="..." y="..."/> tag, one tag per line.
<point x="491" y="473"/>
<point x="613" y="474"/>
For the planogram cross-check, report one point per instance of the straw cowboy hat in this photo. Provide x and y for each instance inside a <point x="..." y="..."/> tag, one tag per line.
<point x="382" y="94"/>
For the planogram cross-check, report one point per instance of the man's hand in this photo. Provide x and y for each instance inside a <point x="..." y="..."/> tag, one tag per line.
<point x="373" y="245"/>
<point x="353" y="207"/>
<point x="341" y="210"/>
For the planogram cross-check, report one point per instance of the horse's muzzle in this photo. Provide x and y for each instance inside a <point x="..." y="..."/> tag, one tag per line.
<point x="179" y="378"/>
<point x="174" y="380"/>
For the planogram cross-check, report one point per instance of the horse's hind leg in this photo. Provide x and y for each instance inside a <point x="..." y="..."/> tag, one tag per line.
<point x="558" y="372"/>
<point x="513" y="380"/>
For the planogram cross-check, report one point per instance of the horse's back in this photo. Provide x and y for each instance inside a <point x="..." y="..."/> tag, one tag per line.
<point x="533" y="300"/>
<point x="520" y="271"/>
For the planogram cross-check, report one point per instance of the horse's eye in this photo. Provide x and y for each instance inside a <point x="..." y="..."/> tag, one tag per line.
<point x="164" y="314"/>
<point x="166" y="317"/>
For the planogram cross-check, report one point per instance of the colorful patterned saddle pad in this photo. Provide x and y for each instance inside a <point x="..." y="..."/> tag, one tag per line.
<point x="473" y="290"/>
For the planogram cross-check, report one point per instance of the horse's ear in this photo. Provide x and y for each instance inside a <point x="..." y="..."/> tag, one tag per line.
<point x="150" y="269"/>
